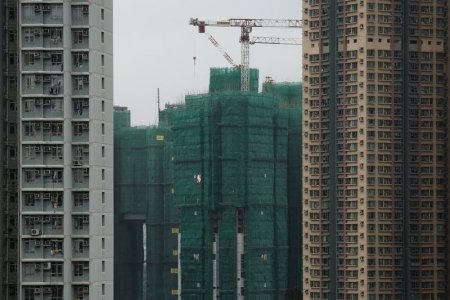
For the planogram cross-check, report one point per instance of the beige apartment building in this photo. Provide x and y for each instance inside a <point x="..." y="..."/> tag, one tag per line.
<point x="375" y="78"/>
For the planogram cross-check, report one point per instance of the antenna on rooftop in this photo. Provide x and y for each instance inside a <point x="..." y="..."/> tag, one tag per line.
<point x="159" y="104"/>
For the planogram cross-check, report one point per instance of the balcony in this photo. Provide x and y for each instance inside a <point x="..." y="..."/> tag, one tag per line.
<point x="42" y="178"/>
<point x="42" y="13"/>
<point x="37" y="226"/>
<point x="37" y="84"/>
<point x="80" y="248"/>
<point x="40" y="202"/>
<point x="80" y="61"/>
<point x="33" y="155"/>
<point x="80" y="85"/>
<point x="80" y="108"/>
<point x="80" y="38"/>
<point x="80" y="178"/>
<point x="37" y="37"/>
<point x="80" y="15"/>
<point x="36" y="60"/>
<point x="80" y="272"/>
<point x="42" y="249"/>
<point x="80" y="131"/>
<point x="80" y="202"/>
<point x="48" y="272"/>
<point x="35" y="131"/>
<point x="80" y="225"/>
<point x="42" y="108"/>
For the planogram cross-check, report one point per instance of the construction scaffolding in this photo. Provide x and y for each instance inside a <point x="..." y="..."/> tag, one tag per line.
<point x="231" y="153"/>
<point x="289" y="95"/>
<point x="146" y="220"/>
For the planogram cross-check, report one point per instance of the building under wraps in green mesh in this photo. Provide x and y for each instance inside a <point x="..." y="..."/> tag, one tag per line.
<point x="146" y="220"/>
<point x="237" y="183"/>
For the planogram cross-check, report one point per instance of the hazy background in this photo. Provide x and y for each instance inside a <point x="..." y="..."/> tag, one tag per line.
<point x="154" y="46"/>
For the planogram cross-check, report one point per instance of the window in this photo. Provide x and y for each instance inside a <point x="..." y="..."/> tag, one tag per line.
<point x="103" y="83"/>
<point x="103" y="174"/>
<point x="103" y="37"/>
<point x="103" y="220"/>
<point x="28" y="34"/>
<point x="103" y="243"/>
<point x="30" y="81"/>
<point x="102" y="13"/>
<point x="103" y="60"/>
<point x="80" y="267"/>
<point x="29" y="293"/>
<point x="29" y="57"/>
<point x="29" y="246"/>
<point x="103" y="197"/>
<point x="103" y="128"/>
<point x="57" y="269"/>
<point x="103" y="151"/>
<point x="81" y="222"/>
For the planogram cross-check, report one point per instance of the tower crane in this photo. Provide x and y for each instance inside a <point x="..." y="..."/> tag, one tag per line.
<point x="246" y="26"/>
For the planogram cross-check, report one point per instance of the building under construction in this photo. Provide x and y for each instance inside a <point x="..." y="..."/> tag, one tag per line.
<point x="146" y="220"/>
<point x="231" y="156"/>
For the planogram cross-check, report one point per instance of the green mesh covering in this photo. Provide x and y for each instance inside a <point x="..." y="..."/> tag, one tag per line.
<point x="289" y="94"/>
<point x="122" y="118"/>
<point x="231" y="153"/>
<point x="143" y="195"/>
<point x="229" y="79"/>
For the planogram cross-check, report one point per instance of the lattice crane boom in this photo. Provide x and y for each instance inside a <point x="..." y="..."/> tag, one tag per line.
<point x="246" y="26"/>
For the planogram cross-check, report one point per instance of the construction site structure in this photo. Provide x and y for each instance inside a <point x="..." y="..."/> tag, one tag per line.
<point x="146" y="220"/>
<point x="230" y="184"/>
<point x="247" y="26"/>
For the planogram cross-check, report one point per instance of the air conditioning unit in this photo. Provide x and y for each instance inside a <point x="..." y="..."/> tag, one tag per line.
<point x="77" y="163"/>
<point x="46" y="7"/>
<point x="37" y="8"/>
<point x="47" y="78"/>
<point x="47" y="102"/>
<point x="37" y="291"/>
<point x="85" y="56"/>
<point x="46" y="195"/>
<point x="86" y="243"/>
<point x="46" y="31"/>
<point x="37" y="196"/>
<point x="47" y="172"/>
<point x="46" y="243"/>
<point x="85" y="196"/>
<point x="37" y="102"/>
<point x="37" y="79"/>
<point x="46" y="219"/>
<point x="35" y="231"/>
<point x="37" y="54"/>
<point x="47" y="126"/>
<point x="86" y="267"/>
<point x="47" y="290"/>
<point x="85" y="79"/>
<point x="47" y="148"/>
<point x="86" y="221"/>
<point x="37" y="243"/>
<point x="85" y="290"/>
<point x="47" y="266"/>
<point x="85" y="32"/>
<point x="85" y="9"/>
<point x="85" y="126"/>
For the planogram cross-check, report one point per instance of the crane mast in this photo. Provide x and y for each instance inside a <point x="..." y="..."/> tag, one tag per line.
<point x="246" y="26"/>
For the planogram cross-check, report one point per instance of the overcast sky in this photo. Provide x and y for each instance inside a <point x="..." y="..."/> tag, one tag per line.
<point x="154" y="46"/>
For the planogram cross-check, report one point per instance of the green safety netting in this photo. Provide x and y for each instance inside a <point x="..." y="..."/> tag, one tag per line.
<point x="143" y="182"/>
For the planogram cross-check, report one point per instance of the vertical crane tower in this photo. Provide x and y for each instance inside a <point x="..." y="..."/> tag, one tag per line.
<point x="246" y="26"/>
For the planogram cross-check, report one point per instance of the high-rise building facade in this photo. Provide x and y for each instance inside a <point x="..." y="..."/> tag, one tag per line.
<point x="58" y="147"/>
<point x="375" y="77"/>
